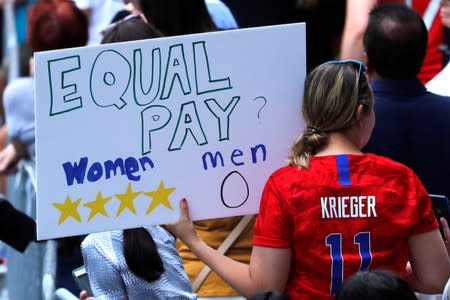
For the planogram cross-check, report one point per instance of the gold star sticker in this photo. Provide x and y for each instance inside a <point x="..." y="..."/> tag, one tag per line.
<point x="68" y="209"/>
<point x="160" y="196"/>
<point x="98" y="206"/>
<point x="126" y="200"/>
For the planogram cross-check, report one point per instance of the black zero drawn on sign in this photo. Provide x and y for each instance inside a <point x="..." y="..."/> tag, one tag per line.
<point x="221" y="190"/>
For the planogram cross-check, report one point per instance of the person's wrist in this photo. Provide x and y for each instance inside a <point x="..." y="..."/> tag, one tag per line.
<point x="192" y="241"/>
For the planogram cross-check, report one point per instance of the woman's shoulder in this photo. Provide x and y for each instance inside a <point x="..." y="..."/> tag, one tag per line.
<point x="20" y="85"/>
<point x="291" y="173"/>
<point x="160" y="234"/>
<point x="107" y="244"/>
<point x="282" y="171"/>
<point x="21" y="88"/>
<point x="383" y="162"/>
<point x="101" y="239"/>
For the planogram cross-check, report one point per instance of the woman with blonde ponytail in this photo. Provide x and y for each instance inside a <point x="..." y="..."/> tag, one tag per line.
<point x="334" y="211"/>
<point x="330" y="104"/>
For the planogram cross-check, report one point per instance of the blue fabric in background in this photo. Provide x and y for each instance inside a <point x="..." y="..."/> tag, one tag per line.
<point x="21" y="14"/>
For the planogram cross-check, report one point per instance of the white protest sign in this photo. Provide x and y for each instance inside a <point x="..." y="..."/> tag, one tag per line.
<point x="124" y="131"/>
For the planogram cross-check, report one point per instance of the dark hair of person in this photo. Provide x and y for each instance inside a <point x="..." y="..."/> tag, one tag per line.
<point x="120" y="15"/>
<point x="332" y="94"/>
<point x="178" y="17"/>
<point x="130" y="29"/>
<point x="395" y="41"/>
<point x="139" y="248"/>
<point x="56" y="24"/>
<point x="375" y="285"/>
<point x="141" y="254"/>
<point x="270" y="295"/>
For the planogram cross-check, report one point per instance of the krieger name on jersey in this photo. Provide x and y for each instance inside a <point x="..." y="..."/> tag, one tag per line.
<point x="348" y="207"/>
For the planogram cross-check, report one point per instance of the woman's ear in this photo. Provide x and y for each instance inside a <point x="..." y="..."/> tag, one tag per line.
<point x="359" y="115"/>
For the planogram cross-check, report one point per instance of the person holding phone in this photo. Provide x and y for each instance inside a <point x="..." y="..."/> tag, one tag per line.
<point x="334" y="211"/>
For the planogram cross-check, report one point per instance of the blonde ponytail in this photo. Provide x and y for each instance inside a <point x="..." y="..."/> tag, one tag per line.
<point x="306" y="146"/>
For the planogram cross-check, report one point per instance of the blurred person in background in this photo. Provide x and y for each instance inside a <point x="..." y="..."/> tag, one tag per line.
<point x="357" y="17"/>
<point x="412" y="123"/>
<point x="52" y="24"/>
<point x="176" y="17"/>
<point x="100" y="13"/>
<point x="375" y="285"/>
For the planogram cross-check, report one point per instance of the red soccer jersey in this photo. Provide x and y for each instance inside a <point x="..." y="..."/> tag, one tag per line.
<point x="342" y="214"/>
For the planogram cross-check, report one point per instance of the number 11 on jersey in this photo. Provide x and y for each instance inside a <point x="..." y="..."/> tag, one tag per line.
<point x="334" y="241"/>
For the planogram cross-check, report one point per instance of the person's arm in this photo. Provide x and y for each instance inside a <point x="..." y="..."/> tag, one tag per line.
<point x="445" y="13"/>
<point x="356" y="19"/>
<point x="429" y="263"/>
<point x="10" y="156"/>
<point x="268" y="268"/>
<point x="17" y="229"/>
<point x="446" y="230"/>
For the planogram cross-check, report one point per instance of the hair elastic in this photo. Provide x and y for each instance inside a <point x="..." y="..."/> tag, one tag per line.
<point x="312" y="129"/>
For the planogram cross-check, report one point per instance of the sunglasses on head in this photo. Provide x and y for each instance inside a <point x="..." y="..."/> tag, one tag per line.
<point x="362" y="67"/>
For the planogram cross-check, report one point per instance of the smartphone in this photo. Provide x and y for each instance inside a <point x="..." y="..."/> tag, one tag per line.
<point x="441" y="209"/>
<point x="80" y="276"/>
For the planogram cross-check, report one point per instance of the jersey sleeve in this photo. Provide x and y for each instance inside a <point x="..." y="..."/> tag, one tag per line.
<point x="425" y="218"/>
<point x="272" y="226"/>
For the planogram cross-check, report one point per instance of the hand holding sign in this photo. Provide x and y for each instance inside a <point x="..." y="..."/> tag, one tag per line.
<point x="184" y="228"/>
